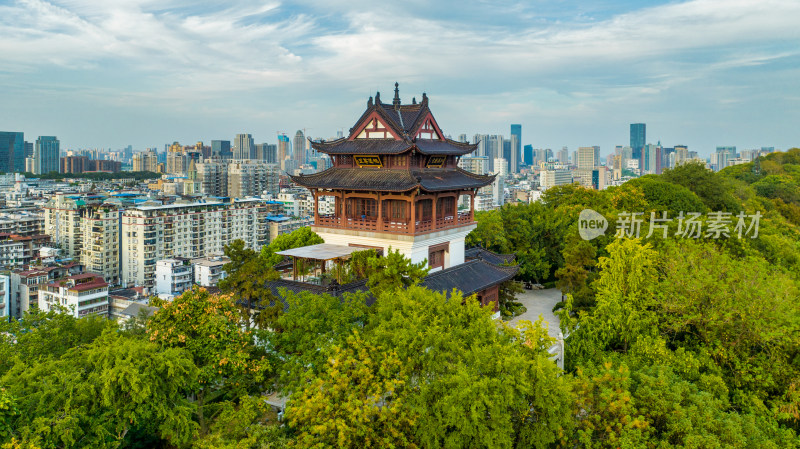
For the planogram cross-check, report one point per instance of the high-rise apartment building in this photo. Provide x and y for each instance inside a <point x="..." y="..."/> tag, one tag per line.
<point x="462" y="138"/>
<point x="193" y="230"/>
<point x="12" y="152"/>
<point x="244" y="147"/>
<point x="145" y="161"/>
<point x="237" y="178"/>
<point x="252" y="178"/>
<point x="267" y="152"/>
<point x="638" y="139"/>
<point x="299" y="146"/>
<point x="86" y="230"/>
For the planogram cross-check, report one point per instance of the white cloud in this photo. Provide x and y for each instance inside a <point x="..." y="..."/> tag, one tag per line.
<point x="176" y="54"/>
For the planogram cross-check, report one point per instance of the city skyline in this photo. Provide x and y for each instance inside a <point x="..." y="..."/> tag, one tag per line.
<point x="699" y="73"/>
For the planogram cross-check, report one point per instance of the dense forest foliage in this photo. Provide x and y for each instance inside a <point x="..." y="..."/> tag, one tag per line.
<point x="688" y="340"/>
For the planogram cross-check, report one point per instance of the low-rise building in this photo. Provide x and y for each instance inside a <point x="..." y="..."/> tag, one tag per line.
<point x="21" y="223"/>
<point x="208" y="270"/>
<point x="25" y="285"/>
<point x="5" y="292"/>
<point x="80" y="295"/>
<point x="17" y="250"/>
<point x="125" y="303"/>
<point x="173" y="276"/>
<point x="279" y="225"/>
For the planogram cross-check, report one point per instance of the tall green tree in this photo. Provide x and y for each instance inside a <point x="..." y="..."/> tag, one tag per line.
<point x="394" y="271"/>
<point x="247" y="281"/>
<point x="104" y="395"/>
<point x="209" y="328"/>
<point x="300" y="237"/>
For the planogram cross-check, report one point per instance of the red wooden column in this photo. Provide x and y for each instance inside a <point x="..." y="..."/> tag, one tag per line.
<point x="434" y="217"/>
<point x="412" y="226"/>
<point x="316" y="206"/>
<point x="472" y="206"/>
<point x="342" y="219"/>
<point x="380" y="213"/>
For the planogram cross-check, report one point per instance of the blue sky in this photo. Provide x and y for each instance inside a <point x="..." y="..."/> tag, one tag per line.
<point x="106" y="74"/>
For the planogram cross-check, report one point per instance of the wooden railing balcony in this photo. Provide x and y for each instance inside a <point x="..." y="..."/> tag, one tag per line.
<point x="393" y="226"/>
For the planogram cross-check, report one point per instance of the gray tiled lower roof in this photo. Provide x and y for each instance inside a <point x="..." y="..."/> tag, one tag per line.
<point x="393" y="180"/>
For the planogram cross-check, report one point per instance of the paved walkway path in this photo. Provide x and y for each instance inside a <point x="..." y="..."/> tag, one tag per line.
<point x="540" y="302"/>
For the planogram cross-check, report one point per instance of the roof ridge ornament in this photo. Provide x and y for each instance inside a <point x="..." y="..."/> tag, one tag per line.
<point x="396" y="100"/>
<point x="377" y="98"/>
<point x="424" y="98"/>
<point x="413" y="100"/>
<point x="369" y="102"/>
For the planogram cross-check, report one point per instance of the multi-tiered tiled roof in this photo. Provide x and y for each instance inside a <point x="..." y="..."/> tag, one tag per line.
<point x="386" y="130"/>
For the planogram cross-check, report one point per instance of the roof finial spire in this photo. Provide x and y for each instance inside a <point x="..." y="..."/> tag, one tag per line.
<point x="413" y="100"/>
<point x="377" y="98"/>
<point x="396" y="100"/>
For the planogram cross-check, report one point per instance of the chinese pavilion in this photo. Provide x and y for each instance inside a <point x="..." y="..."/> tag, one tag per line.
<point x="396" y="183"/>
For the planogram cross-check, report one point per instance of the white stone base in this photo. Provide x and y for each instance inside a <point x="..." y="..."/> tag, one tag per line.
<point x="415" y="247"/>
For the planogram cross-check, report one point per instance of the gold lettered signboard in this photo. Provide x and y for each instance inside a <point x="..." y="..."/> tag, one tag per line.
<point x="368" y="161"/>
<point x="436" y="161"/>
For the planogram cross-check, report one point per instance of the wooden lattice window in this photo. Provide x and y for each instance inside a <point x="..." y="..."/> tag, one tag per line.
<point x="362" y="208"/>
<point x="395" y="210"/>
<point x="345" y="160"/>
<point x="446" y="207"/>
<point x="436" y="259"/>
<point x="424" y="210"/>
<point x="397" y="160"/>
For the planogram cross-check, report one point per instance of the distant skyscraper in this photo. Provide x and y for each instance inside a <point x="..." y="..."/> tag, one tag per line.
<point x="284" y="147"/>
<point x="651" y="159"/>
<point x="483" y="145"/>
<point x="638" y="139"/>
<point x="586" y="159"/>
<point x="221" y="149"/>
<point x="12" y="152"/>
<point x="563" y="155"/>
<point x="267" y="152"/>
<point x="514" y="160"/>
<point x="339" y="134"/>
<point x="244" y="147"/>
<point x="299" y="148"/>
<point x="723" y="155"/>
<point x="516" y="148"/>
<point x="596" y="155"/>
<point x="46" y="154"/>
<point x="527" y="155"/>
<point x="494" y="150"/>
<point x="28" y="149"/>
<point x="462" y="138"/>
